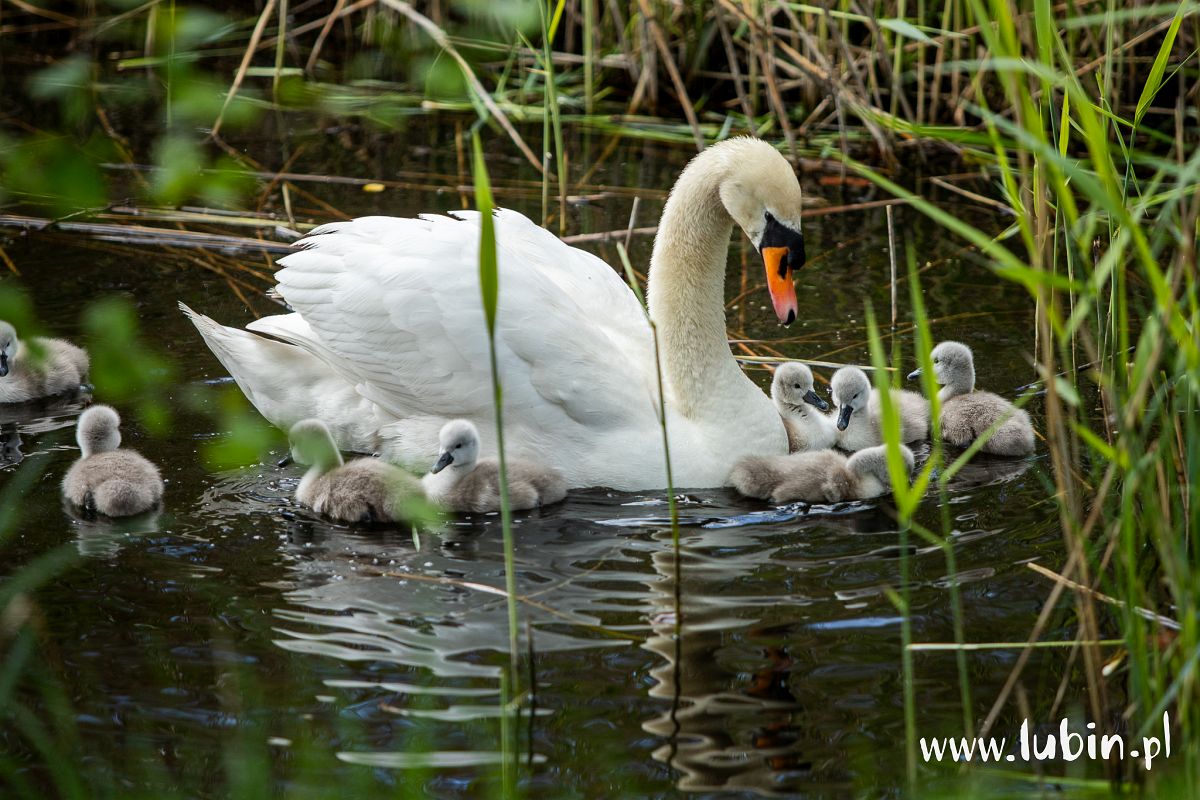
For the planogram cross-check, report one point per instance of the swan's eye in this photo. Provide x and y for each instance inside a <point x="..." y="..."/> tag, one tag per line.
<point x="796" y="385"/>
<point x="458" y="446"/>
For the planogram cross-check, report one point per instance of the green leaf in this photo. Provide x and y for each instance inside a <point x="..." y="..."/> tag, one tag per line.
<point x="1066" y="391"/>
<point x="1154" y="79"/>
<point x="489" y="278"/>
<point x="124" y="368"/>
<point x="70" y="83"/>
<point x="903" y="28"/>
<point x="56" y="171"/>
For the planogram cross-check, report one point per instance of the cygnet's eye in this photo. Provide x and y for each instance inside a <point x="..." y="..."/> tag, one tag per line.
<point x="458" y="446"/>
<point x="935" y="360"/>
<point x="796" y="385"/>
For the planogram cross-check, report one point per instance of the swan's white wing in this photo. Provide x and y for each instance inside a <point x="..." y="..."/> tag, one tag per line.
<point x="397" y="302"/>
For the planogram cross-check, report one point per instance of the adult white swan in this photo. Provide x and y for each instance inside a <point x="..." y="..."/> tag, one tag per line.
<point x="387" y="341"/>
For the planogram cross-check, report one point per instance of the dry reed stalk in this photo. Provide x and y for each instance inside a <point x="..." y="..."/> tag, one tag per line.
<point x="8" y="262"/>
<point x="300" y="30"/>
<point x="46" y="13"/>
<point x="240" y="75"/>
<point x="1144" y="613"/>
<point x="143" y="234"/>
<point x="734" y="69"/>
<point x="441" y="40"/>
<point x="330" y="18"/>
<point x="891" y="229"/>
<point x="681" y="92"/>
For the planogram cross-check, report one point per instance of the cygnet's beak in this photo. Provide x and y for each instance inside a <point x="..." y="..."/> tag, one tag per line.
<point x="844" y="417"/>
<point x="916" y="373"/>
<point x="783" y="252"/>
<point x="3" y="365"/>
<point x="444" y="460"/>
<point x="286" y="461"/>
<point x="813" y="399"/>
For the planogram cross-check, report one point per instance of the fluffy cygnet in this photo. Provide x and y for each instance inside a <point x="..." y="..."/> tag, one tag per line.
<point x="860" y="413"/>
<point x="63" y="367"/>
<point x="825" y="476"/>
<point x="106" y="479"/>
<point x="460" y="481"/>
<point x="966" y="413"/>
<point x="807" y="428"/>
<point x="363" y="490"/>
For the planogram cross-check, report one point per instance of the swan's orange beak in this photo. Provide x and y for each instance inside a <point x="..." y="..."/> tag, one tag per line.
<point x="781" y="284"/>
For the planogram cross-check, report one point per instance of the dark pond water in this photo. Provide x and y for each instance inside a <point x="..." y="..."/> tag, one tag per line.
<point x="236" y="623"/>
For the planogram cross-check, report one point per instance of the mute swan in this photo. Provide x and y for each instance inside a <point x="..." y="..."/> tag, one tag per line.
<point x="114" y="482"/>
<point x="860" y="415"/>
<point x="63" y="368"/>
<point x="807" y="428"/>
<point x="363" y="490"/>
<point x="388" y="340"/>
<point x="460" y="482"/>
<point x="966" y="413"/>
<point x="825" y="476"/>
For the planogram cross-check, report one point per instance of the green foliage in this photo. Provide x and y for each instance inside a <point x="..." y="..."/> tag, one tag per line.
<point x="58" y="171"/>
<point x="124" y="367"/>
<point x="245" y="437"/>
<point x="1104" y="244"/>
<point x="184" y="173"/>
<point x="489" y="274"/>
<point x="70" y="83"/>
<point x="17" y="309"/>
<point x="489" y="283"/>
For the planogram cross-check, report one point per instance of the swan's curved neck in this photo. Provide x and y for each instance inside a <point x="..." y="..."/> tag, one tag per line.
<point x="686" y="291"/>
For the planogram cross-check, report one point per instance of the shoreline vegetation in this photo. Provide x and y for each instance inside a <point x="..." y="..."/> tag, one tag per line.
<point x="1074" y="125"/>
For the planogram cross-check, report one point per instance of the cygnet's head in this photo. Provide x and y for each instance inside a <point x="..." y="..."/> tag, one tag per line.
<point x="8" y="347"/>
<point x="458" y="445"/>
<point x="312" y="444"/>
<point x="953" y="365"/>
<point x="873" y="461"/>
<point x="850" y="389"/>
<point x="98" y="430"/>
<point x="761" y="193"/>
<point x="793" y="385"/>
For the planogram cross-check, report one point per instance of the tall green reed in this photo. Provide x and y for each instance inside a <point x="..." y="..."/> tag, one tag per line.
<point x="1104" y="243"/>
<point x="489" y="282"/>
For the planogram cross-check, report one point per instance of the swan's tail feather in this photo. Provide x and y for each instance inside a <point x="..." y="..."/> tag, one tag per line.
<point x="287" y="383"/>
<point x="122" y="498"/>
<point x="251" y="360"/>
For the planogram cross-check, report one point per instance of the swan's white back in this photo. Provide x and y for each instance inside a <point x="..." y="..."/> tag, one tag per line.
<point x="389" y="311"/>
<point x="388" y="342"/>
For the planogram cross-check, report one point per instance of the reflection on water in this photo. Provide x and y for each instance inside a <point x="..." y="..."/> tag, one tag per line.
<point x="767" y="609"/>
<point x="768" y="664"/>
<point x="102" y="537"/>
<point x="19" y="421"/>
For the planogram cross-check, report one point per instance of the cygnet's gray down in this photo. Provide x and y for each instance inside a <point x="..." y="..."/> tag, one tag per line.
<point x="808" y="429"/>
<point x="363" y="490"/>
<point x="106" y="479"/>
<point x="62" y="367"/>
<point x="860" y="411"/>
<point x="967" y="413"/>
<point x="825" y="476"/>
<point x="461" y="481"/>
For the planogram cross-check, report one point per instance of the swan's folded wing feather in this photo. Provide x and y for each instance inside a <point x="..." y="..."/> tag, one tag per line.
<point x="398" y="301"/>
